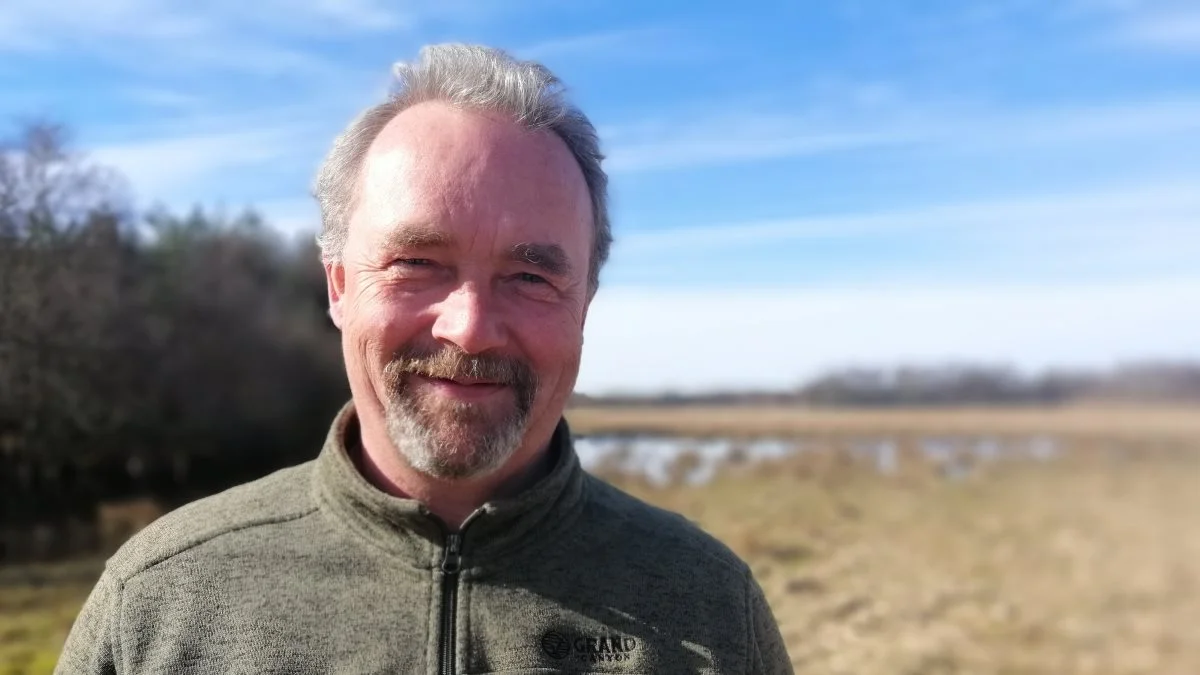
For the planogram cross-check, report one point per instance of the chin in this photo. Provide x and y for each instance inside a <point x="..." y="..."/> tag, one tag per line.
<point x="449" y="450"/>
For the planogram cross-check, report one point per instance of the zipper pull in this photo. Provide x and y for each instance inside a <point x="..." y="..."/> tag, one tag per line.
<point x="452" y="558"/>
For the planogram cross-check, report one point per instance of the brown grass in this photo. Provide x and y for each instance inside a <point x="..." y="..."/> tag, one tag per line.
<point x="1087" y="565"/>
<point x="37" y="607"/>
<point x="1094" y="421"/>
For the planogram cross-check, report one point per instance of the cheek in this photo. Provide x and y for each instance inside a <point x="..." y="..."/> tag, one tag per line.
<point x="554" y="348"/>
<point x="378" y="323"/>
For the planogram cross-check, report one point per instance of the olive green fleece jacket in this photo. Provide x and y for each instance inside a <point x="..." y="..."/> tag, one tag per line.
<point x="313" y="570"/>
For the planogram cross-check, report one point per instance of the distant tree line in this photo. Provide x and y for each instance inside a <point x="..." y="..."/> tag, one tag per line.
<point x="147" y="354"/>
<point x="957" y="385"/>
<point x="981" y="385"/>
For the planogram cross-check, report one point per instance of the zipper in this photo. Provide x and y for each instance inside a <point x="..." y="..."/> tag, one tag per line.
<point x="451" y="564"/>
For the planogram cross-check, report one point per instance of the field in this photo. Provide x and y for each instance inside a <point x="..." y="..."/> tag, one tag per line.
<point x="1096" y="422"/>
<point x="37" y="607"/>
<point x="1086" y="563"/>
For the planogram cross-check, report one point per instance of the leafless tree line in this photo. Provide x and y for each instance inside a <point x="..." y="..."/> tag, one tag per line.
<point x="146" y="355"/>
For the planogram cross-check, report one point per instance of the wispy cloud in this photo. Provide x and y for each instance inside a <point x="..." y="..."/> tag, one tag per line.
<point x="619" y="44"/>
<point x="1169" y="207"/>
<point x="153" y="20"/>
<point x="1153" y="118"/>
<point x="744" y="136"/>
<point x="1173" y="31"/>
<point x="160" y="97"/>
<point x="224" y="34"/>
<point x="293" y="217"/>
<point x="369" y="15"/>
<point x="194" y="151"/>
<point x="161" y="167"/>
<point x="1113" y="231"/>
<point x="1170" y="26"/>
<point x="736" y="139"/>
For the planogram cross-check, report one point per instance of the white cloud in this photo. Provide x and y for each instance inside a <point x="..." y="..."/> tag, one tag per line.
<point x="651" y="340"/>
<point x="1158" y="25"/>
<point x="223" y="34"/>
<point x="1166" y="212"/>
<point x="738" y="136"/>
<point x="743" y="139"/>
<point x="1161" y="118"/>
<point x="371" y="15"/>
<point x="193" y="155"/>
<point x="1176" y="31"/>
<point x="618" y="44"/>
<point x="160" y="97"/>
<point x="153" y="19"/>
<point x="161" y="167"/>
<point x="292" y="217"/>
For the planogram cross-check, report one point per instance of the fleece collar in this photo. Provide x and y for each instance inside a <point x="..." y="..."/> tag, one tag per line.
<point x="406" y="528"/>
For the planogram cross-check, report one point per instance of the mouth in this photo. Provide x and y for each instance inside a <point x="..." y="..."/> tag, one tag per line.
<point x="467" y="381"/>
<point x="463" y="388"/>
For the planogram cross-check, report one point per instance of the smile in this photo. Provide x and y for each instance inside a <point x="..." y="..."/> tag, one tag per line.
<point x="464" y="389"/>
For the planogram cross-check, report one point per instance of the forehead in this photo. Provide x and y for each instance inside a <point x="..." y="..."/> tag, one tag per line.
<point x="463" y="170"/>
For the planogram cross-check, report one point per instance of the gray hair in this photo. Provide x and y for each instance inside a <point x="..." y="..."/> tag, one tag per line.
<point x="474" y="78"/>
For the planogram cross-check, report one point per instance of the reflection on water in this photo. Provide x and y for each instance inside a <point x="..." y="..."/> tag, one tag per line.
<point x="653" y="456"/>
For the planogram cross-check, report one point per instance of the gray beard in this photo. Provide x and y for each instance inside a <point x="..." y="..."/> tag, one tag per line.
<point x="452" y="443"/>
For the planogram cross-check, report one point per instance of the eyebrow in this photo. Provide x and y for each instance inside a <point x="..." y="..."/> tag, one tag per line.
<point x="549" y="257"/>
<point x="416" y="236"/>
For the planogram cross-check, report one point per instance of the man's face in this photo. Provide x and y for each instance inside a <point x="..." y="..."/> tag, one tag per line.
<point x="462" y="291"/>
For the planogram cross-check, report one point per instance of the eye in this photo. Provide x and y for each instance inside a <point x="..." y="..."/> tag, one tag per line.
<point x="413" y="262"/>
<point x="528" y="277"/>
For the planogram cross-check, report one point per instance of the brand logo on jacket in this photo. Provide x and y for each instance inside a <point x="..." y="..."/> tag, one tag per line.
<point x="589" y="649"/>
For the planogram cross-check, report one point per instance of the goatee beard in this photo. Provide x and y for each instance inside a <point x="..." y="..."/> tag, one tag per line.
<point x="456" y="440"/>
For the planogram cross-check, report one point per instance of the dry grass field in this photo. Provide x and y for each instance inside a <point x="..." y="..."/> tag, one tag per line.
<point x="1087" y="563"/>
<point x="37" y="607"/>
<point x="1112" y="422"/>
<point x="1081" y="565"/>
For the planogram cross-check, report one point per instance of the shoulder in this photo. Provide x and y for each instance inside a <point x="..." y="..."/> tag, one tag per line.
<point x="279" y="497"/>
<point x="660" y="534"/>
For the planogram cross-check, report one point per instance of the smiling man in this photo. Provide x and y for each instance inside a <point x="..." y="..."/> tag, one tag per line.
<point x="446" y="525"/>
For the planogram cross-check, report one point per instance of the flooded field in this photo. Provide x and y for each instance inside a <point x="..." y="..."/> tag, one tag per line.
<point x="929" y="549"/>
<point x="661" y="458"/>
<point x="1038" y="557"/>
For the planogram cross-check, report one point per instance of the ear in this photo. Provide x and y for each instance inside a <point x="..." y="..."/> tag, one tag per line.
<point x="335" y="283"/>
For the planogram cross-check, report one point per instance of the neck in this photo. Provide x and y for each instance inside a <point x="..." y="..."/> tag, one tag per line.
<point x="453" y="501"/>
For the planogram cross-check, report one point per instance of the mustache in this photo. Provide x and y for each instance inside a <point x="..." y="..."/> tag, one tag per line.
<point x="449" y="363"/>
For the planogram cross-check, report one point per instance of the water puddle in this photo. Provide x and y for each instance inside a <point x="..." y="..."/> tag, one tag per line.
<point x="654" y="456"/>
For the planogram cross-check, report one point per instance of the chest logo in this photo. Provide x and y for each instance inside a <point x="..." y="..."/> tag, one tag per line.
<point x="587" y="648"/>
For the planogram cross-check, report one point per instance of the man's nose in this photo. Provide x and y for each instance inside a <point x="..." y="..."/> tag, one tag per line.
<point x="468" y="319"/>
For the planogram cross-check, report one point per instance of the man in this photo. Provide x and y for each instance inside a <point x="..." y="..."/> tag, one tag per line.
<point x="446" y="525"/>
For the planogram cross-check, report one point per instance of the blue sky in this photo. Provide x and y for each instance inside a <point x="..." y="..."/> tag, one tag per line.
<point x="803" y="185"/>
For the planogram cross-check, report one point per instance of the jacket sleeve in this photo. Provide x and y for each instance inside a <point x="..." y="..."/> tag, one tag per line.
<point x="768" y="655"/>
<point x="89" y="646"/>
